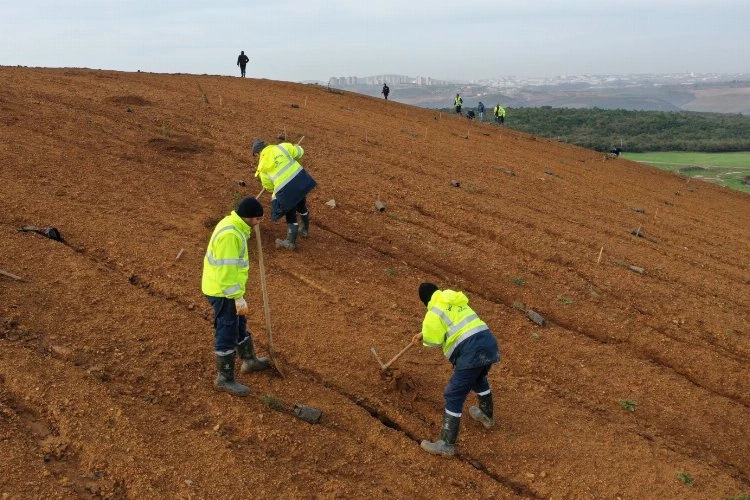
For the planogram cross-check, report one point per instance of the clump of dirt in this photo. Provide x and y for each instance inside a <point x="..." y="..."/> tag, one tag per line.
<point x="397" y="380"/>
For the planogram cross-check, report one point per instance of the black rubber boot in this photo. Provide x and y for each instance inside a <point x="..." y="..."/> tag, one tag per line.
<point x="250" y="363"/>
<point x="304" y="230"/>
<point x="291" y="238"/>
<point x="225" y="376"/>
<point x="446" y="443"/>
<point x="483" y="412"/>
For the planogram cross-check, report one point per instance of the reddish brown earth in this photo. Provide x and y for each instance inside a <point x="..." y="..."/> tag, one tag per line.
<point x="106" y="348"/>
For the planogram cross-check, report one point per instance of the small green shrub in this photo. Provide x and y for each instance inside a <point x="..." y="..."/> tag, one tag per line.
<point x="519" y="281"/>
<point x="272" y="401"/>
<point x="564" y="300"/>
<point x="629" y="405"/>
<point x="685" y="478"/>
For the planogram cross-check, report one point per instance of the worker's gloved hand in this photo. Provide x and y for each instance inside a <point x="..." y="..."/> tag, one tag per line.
<point x="417" y="338"/>
<point x="241" y="306"/>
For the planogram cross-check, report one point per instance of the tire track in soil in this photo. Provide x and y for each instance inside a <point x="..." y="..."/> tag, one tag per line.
<point x="382" y="417"/>
<point x="518" y="488"/>
<point x="135" y="280"/>
<point x="61" y="461"/>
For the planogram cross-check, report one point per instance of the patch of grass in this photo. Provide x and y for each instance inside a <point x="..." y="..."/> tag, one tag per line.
<point x="725" y="169"/>
<point x="400" y="218"/>
<point x="536" y="336"/>
<point x="519" y="281"/>
<point x="629" y="405"/>
<point x="685" y="478"/>
<point x="166" y="130"/>
<point x="391" y="272"/>
<point x="272" y="401"/>
<point x="741" y="496"/>
<point x="520" y="306"/>
<point x="564" y="300"/>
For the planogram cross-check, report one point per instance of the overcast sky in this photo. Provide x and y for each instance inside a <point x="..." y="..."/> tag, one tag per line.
<point x="300" y="40"/>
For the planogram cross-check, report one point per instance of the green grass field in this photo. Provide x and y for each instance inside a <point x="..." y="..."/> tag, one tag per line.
<point x="727" y="169"/>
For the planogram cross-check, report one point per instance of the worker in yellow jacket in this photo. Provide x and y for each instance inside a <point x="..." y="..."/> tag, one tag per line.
<point x="469" y="345"/>
<point x="281" y="174"/>
<point x="225" y="269"/>
<point x="457" y="103"/>
<point x="499" y="112"/>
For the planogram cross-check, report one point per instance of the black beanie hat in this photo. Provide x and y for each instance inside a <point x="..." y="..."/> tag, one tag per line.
<point x="425" y="292"/>
<point x="249" y="207"/>
<point x="258" y="146"/>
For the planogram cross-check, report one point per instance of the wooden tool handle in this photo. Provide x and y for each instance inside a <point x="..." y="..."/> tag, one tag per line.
<point x="266" y="307"/>
<point x="411" y="344"/>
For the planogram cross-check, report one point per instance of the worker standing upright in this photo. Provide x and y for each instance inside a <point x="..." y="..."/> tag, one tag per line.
<point x="457" y="102"/>
<point x="225" y="269"/>
<point x="480" y="110"/>
<point x="386" y="90"/>
<point x="469" y="345"/>
<point x="282" y="175"/>
<point x="242" y="61"/>
<point x="499" y="112"/>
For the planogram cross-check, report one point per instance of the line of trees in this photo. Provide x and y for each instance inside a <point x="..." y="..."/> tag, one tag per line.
<point x="634" y="131"/>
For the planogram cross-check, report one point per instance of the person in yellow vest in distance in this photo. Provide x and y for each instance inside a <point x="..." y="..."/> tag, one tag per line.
<point x="281" y="174"/>
<point x="457" y="102"/>
<point x="469" y="345"/>
<point x="225" y="269"/>
<point x="499" y="114"/>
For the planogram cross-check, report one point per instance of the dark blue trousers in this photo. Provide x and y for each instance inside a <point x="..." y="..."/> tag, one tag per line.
<point x="461" y="383"/>
<point x="230" y="329"/>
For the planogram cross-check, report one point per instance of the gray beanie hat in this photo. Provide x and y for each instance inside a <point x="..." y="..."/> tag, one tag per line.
<point x="258" y="146"/>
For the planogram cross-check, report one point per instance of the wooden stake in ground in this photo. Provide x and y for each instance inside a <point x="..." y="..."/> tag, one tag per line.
<point x="266" y="306"/>
<point x="600" y="255"/>
<point x="9" y="275"/>
<point x="179" y="254"/>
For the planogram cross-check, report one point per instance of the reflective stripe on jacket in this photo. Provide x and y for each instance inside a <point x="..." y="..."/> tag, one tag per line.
<point x="458" y="101"/>
<point x="226" y="263"/>
<point x="278" y="165"/>
<point x="449" y="321"/>
<point x="499" y="111"/>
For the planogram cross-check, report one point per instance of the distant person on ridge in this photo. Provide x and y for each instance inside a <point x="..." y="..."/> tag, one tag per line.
<point x="385" y="91"/>
<point x="457" y="102"/>
<point x="499" y="114"/>
<point x="469" y="345"/>
<point x="225" y="269"/>
<point x="480" y="110"/>
<point x="282" y="175"/>
<point x="242" y="61"/>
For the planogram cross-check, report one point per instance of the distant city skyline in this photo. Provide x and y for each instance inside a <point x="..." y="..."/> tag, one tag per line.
<point x="313" y="40"/>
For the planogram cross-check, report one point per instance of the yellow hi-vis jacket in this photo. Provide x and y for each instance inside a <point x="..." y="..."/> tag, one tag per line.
<point x="226" y="264"/>
<point x="278" y="165"/>
<point x="499" y="110"/>
<point x="449" y="321"/>
<point x="458" y="101"/>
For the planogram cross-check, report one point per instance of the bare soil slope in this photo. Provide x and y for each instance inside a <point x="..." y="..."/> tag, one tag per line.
<point x="106" y="348"/>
